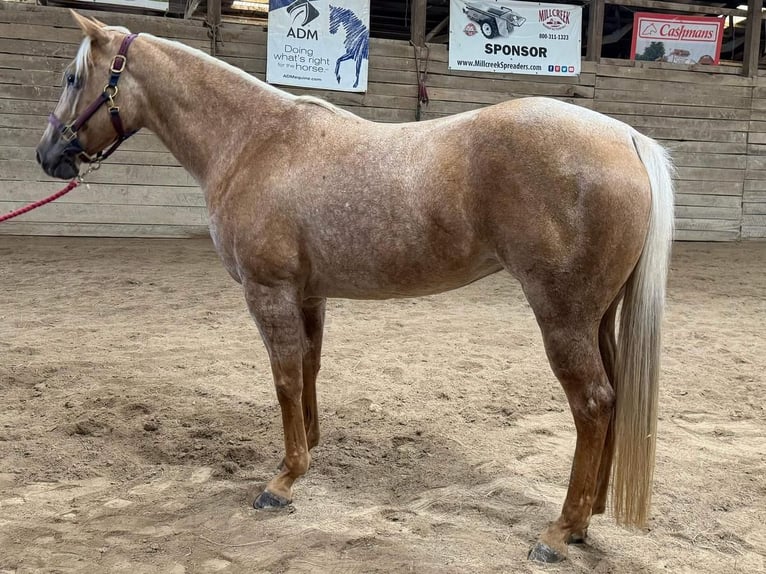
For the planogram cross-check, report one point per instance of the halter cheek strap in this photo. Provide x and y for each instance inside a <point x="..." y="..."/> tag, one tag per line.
<point x="69" y="131"/>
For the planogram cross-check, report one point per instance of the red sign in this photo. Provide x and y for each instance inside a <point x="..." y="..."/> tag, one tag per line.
<point x="676" y="39"/>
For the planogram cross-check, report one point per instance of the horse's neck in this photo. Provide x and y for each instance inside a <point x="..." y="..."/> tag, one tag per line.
<point x="204" y="111"/>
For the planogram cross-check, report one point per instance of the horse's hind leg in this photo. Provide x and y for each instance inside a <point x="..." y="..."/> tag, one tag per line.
<point x="573" y="351"/>
<point x="608" y="347"/>
<point x="277" y="312"/>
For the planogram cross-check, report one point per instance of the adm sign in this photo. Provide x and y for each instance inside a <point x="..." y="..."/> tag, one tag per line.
<point x="319" y="44"/>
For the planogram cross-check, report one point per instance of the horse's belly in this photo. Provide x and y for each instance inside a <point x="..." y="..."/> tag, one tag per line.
<point x="408" y="279"/>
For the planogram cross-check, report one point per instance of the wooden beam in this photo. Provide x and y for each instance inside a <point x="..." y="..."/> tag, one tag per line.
<point x="751" y="57"/>
<point x="438" y="28"/>
<point x="214" y="23"/>
<point x="595" y="30"/>
<point x="418" y="22"/>
<point x="678" y="7"/>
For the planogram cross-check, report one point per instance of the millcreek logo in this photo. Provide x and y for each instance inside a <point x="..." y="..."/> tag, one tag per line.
<point x="554" y="18"/>
<point x="470" y="29"/>
<point x="302" y="10"/>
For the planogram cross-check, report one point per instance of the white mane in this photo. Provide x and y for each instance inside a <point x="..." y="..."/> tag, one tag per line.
<point x="253" y="80"/>
<point x="82" y="58"/>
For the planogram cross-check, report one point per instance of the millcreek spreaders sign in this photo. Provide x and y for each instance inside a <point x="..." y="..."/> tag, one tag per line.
<point x="515" y="37"/>
<point x="676" y="39"/>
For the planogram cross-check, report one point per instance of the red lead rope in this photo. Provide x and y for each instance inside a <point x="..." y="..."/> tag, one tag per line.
<point x="70" y="186"/>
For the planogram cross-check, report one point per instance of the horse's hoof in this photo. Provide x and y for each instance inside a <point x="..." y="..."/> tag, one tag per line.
<point x="269" y="501"/>
<point x="541" y="552"/>
<point x="577" y="537"/>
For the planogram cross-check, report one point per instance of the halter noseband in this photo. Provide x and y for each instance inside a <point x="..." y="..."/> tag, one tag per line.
<point x="69" y="131"/>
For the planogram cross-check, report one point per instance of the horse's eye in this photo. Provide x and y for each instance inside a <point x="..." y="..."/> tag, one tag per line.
<point x="70" y="79"/>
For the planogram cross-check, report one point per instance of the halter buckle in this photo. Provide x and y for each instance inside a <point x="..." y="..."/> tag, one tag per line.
<point x="118" y="64"/>
<point x="68" y="133"/>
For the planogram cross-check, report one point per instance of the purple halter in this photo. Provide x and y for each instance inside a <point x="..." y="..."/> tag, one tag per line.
<point x="69" y="131"/>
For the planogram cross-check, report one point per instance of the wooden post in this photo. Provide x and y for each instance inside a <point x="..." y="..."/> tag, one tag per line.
<point x="752" y="53"/>
<point x="595" y="30"/>
<point x="214" y="24"/>
<point x="418" y="23"/>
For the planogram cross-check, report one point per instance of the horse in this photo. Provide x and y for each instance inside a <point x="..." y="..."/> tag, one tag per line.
<point x="356" y="41"/>
<point x="577" y="206"/>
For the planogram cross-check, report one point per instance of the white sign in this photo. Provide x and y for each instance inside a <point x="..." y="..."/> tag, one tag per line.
<point x="676" y="39"/>
<point x="515" y="37"/>
<point x="319" y="44"/>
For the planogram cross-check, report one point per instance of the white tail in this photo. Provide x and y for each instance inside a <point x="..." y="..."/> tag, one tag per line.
<point x="637" y="365"/>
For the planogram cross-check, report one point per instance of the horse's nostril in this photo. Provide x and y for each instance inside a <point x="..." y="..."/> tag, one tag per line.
<point x="37" y="155"/>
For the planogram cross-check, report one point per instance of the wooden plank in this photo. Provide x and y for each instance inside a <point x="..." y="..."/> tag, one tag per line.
<point x="38" y="48"/>
<point x="673" y="95"/>
<point x="595" y="32"/>
<point x="142" y="141"/>
<point x="753" y="232"/>
<point x="707" y="174"/>
<point x="126" y="157"/>
<point x="99" y="213"/>
<point x="754" y="220"/>
<point x="707" y="224"/>
<point x="682" y="123"/>
<point x="690" y="91"/>
<point x="17" y="227"/>
<point x="19" y="170"/>
<point x="418" y="22"/>
<point x="711" y="187"/>
<point x="31" y="78"/>
<point x="727" y="161"/>
<point x="757" y="208"/>
<point x="704" y="134"/>
<point x="706" y="147"/>
<point x="752" y="54"/>
<point x="37" y="93"/>
<point x="708" y="77"/>
<point x="677" y="7"/>
<point x="106" y="194"/>
<point x="706" y="200"/>
<point x="25" y="107"/>
<point x="703" y="212"/>
<point x="31" y="62"/>
<point x="723" y="68"/>
<point x="676" y="111"/>
<point x="699" y="235"/>
<point x="756" y="162"/>
<point x="58" y="17"/>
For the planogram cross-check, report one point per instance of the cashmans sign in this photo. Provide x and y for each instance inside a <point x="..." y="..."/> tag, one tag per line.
<point x="676" y="39"/>
<point x="515" y="37"/>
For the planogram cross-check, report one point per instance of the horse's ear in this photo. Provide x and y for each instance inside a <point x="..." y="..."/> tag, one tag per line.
<point x="92" y="28"/>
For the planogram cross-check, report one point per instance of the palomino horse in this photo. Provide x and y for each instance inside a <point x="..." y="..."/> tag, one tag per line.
<point x="577" y="206"/>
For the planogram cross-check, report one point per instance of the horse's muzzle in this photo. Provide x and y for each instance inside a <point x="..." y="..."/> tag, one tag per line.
<point x="56" y="161"/>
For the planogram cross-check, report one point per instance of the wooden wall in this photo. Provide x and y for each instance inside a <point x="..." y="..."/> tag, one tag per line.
<point x="713" y="122"/>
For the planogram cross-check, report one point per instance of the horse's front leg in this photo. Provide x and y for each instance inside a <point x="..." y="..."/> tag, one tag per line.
<point x="313" y="321"/>
<point x="359" y="59"/>
<point x="343" y="58"/>
<point x="277" y="312"/>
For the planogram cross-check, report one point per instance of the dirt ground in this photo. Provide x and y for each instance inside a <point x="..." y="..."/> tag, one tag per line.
<point x="138" y="419"/>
